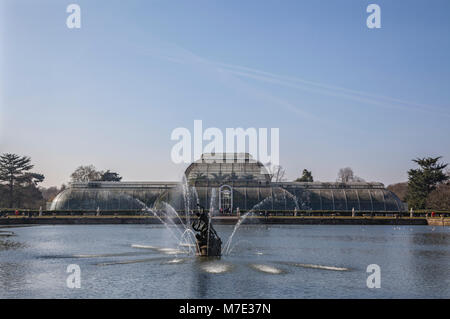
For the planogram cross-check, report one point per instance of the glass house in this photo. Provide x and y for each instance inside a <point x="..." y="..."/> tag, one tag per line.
<point x="227" y="182"/>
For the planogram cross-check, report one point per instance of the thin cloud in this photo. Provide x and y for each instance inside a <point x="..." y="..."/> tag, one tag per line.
<point x="320" y="88"/>
<point x="234" y="73"/>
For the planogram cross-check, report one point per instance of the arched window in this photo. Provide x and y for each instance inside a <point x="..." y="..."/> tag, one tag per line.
<point x="226" y="199"/>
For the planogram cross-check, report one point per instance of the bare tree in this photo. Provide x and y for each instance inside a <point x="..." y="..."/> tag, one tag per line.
<point x="86" y="174"/>
<point x="50" y="193"/>
<point x="277" y="173"/>
<point x="399" y="189"/>
<point x="346" y="175"/>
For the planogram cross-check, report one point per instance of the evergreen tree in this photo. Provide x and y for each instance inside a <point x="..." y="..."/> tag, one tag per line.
<point x="109" y="176"/>
<point x="423" y="181"/>
<point x="19" y="185"/>
<point x="306" y="177"/>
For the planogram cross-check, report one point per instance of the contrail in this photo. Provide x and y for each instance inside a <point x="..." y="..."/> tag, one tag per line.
<point x="361" y="96"/>
<point x="237" y="71"/>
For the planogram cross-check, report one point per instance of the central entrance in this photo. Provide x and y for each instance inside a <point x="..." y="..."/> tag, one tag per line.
<point x="226" y="199"/>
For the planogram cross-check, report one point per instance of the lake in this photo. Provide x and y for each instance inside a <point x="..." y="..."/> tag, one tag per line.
<point x="266" y="261"/>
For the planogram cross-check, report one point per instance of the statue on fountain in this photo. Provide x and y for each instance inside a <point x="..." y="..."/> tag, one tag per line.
<point x="208" y="242"/>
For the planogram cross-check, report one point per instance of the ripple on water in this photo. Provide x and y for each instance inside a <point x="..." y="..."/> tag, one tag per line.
<point x="135" y="261"/>
<point x="143" y="246"/>
<point x="170" y="251"/>
<point x="216" y="268"/>
<point x="175" y="261"/>
<point x="6" y="233"/>
<point x="267" y="269"/>
<point x="334" y="268"/>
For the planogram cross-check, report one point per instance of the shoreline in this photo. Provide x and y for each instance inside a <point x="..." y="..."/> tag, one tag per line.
<point x="271" y="220"/>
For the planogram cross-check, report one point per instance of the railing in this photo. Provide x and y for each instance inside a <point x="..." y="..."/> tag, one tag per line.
<point x="264" y="213"/>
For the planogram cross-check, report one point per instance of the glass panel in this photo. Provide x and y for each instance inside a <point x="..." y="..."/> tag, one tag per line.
<point x="340" y="201"/>
<point x="377" y="199"/>
<point x="352" y="199"/>
<point x="364" y="198"/>
<point x="327" y="199"/>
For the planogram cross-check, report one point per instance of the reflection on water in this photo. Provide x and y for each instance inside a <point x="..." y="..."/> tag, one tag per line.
<point x="138" y="261"/>
<point x="12" y="276"/>
<point x="6" y="243"/>
<point x="431" y="246"/>
<point x="433" y="238"/>
<point x="10" y="244"/>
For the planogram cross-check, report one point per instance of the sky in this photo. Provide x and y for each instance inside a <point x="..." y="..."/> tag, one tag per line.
<point x="111" y="93"/>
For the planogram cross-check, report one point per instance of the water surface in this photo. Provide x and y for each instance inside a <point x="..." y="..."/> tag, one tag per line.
<point x="298" y="261"/>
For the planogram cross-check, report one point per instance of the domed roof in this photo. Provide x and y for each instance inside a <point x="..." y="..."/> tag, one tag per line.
<point x="224" y="167"/>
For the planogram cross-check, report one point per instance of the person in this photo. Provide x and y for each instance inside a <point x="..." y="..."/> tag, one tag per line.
<point x="17" y="212"/>
<point x="432" y="214"/>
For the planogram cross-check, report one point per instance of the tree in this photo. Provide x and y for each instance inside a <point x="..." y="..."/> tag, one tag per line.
<point x="439" y="199"/>
<point x="422" y="181"/>
<point x="19" y="184"/>
<point x="86" y="174"/>
<point x="248" y="177"/>
<point x="200" y="176"/>
<point x="346" y="175"/>
<point x="306" y="177"/>
<point x="399" y="189"/>
<point x="220" y="178"/>
<point x="50" y="193"/>
<point x="277" y="174"/>
<point x="109" y="176"/>
<point x="28" y="194"/>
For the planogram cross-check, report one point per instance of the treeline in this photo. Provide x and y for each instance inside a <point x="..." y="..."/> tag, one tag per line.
<point x="428" y="186"/>
<point x="19" y="186"/>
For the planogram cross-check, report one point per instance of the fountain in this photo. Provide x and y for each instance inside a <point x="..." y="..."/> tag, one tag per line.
<point x="208" y="242"/>
<point x="227" y="247"/>
<point x="197" y="235"/>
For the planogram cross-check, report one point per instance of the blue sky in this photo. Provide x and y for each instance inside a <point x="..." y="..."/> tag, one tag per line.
<point x="111" y="93"/>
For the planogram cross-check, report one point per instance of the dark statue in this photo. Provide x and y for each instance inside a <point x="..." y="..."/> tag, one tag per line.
<point x="208" y="242"/>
